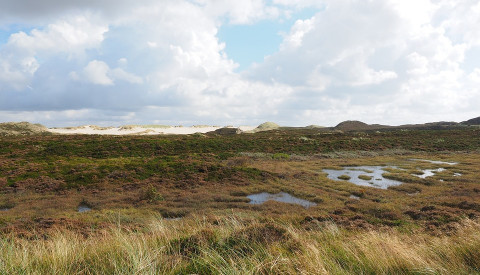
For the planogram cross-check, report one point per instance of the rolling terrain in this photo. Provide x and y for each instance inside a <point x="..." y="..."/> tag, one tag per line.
<point x="82" y="204"/>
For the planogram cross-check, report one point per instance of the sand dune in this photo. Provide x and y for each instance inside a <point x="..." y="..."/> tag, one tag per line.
<point x="140" y="130"/>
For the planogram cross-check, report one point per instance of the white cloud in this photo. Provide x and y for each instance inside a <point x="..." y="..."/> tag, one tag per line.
<point x="475" y="76"/>
<point x="387" y="61"/>
<point x="16" y="76"/>
<point x="240" y="12"/>
<point x="96" y="73"/>
<point x="300" y="4"/>
<point x="72" y="36"/>
<point x="120" y="74"/>
<point x="295" y="37"/>
<point x="19" y="57"/>
<point x="122" y="62"/>
<point x="460" y="20"/>
<point x="398" y="54"/>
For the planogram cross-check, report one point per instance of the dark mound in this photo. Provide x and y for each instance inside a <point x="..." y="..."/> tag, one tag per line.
<point x="473" y="121"/>
<point x="441" y="123"/>
<point x="354" y="125"/>
<point x="226" y="131"/>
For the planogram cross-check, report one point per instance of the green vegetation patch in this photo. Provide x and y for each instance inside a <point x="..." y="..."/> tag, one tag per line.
<point x="365" y="177"/>
<point x="344" y="177"/>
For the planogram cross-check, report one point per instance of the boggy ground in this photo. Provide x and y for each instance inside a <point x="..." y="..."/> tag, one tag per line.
<point x="133" y="182"/>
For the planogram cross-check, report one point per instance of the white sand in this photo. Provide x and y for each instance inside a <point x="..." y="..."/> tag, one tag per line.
<point x="174" y="130"/>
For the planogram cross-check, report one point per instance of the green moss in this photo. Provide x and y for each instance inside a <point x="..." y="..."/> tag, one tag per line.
<point x="365" y="177"/>
<point x="344" y="177"/>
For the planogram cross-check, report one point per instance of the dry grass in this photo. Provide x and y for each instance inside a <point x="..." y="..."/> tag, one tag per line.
<point x="239" y="245"/>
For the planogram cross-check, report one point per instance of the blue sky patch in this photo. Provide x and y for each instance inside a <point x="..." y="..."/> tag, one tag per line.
<point x="248" y="44"/>
<point x="7" y="31"/>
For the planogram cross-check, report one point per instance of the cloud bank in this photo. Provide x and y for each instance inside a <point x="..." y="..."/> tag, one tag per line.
<point x="115" y="62"/>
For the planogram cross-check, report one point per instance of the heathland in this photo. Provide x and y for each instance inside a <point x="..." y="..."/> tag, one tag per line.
<point x="178" y="204"/>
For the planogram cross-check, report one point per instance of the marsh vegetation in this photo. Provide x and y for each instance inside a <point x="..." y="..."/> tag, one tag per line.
<point x="180" y="204"/>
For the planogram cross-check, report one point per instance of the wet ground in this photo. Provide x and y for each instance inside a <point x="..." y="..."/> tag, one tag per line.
<point x="83" y="208"/>
<point x="363" y="175"/>
<point x="280" y="197"/>
<point x="436" y="161"/>
<point x="429" y="172"/>
<point x="373" y="175"/>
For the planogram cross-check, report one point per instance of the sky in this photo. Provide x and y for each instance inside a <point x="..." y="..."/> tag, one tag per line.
<point x="221" y="62"/>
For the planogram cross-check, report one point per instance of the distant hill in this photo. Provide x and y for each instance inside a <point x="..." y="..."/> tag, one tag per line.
<point x="226" y="131"/>
<point x="473" y="121"/>
<point x="22" y="129"/>
<point x="267" y="126"/>
<point x="26" y="128"/>
<point x="355" y="125"/>
<point x="314" y="127"/>
<point x="441" y="125"/>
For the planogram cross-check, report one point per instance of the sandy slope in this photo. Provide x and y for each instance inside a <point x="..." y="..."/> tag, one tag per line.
<point x="138" y="130"/>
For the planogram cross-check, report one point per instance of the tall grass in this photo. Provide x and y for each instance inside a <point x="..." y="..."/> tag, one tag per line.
<point x="233" y="245"/>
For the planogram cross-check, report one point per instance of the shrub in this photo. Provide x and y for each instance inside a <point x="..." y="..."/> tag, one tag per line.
<point x="151" y="194"/>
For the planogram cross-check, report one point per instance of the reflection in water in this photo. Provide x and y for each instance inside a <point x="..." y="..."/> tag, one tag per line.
<point x="436" y="161"/>
<point x="360" y="175"/>
<point x="429" y="172"/>
<point x="83" y="208"/>
<point x="280" y="197"/>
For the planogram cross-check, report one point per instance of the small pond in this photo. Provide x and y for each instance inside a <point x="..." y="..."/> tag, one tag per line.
<point x="429" y="172"/>
<point x="436" y="161"/>
<point x="363" y="175"/>
<point x="261" y="198"/>
<point x="4" y="209"/>
<point x="83" y="208"/>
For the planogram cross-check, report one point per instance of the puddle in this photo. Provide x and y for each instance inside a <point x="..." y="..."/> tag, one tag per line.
<point x="429" y="172"/>
<point x="364" y="176"/>
<point x="83" y="208"/>
<point x="280" y="197"/>
<point x="354" y="197"/>
<point x="436" y="161"/>
<point x="4" y="209"/>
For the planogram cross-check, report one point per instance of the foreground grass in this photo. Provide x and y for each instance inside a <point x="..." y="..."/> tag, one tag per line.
<point x="241" y="245"/>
